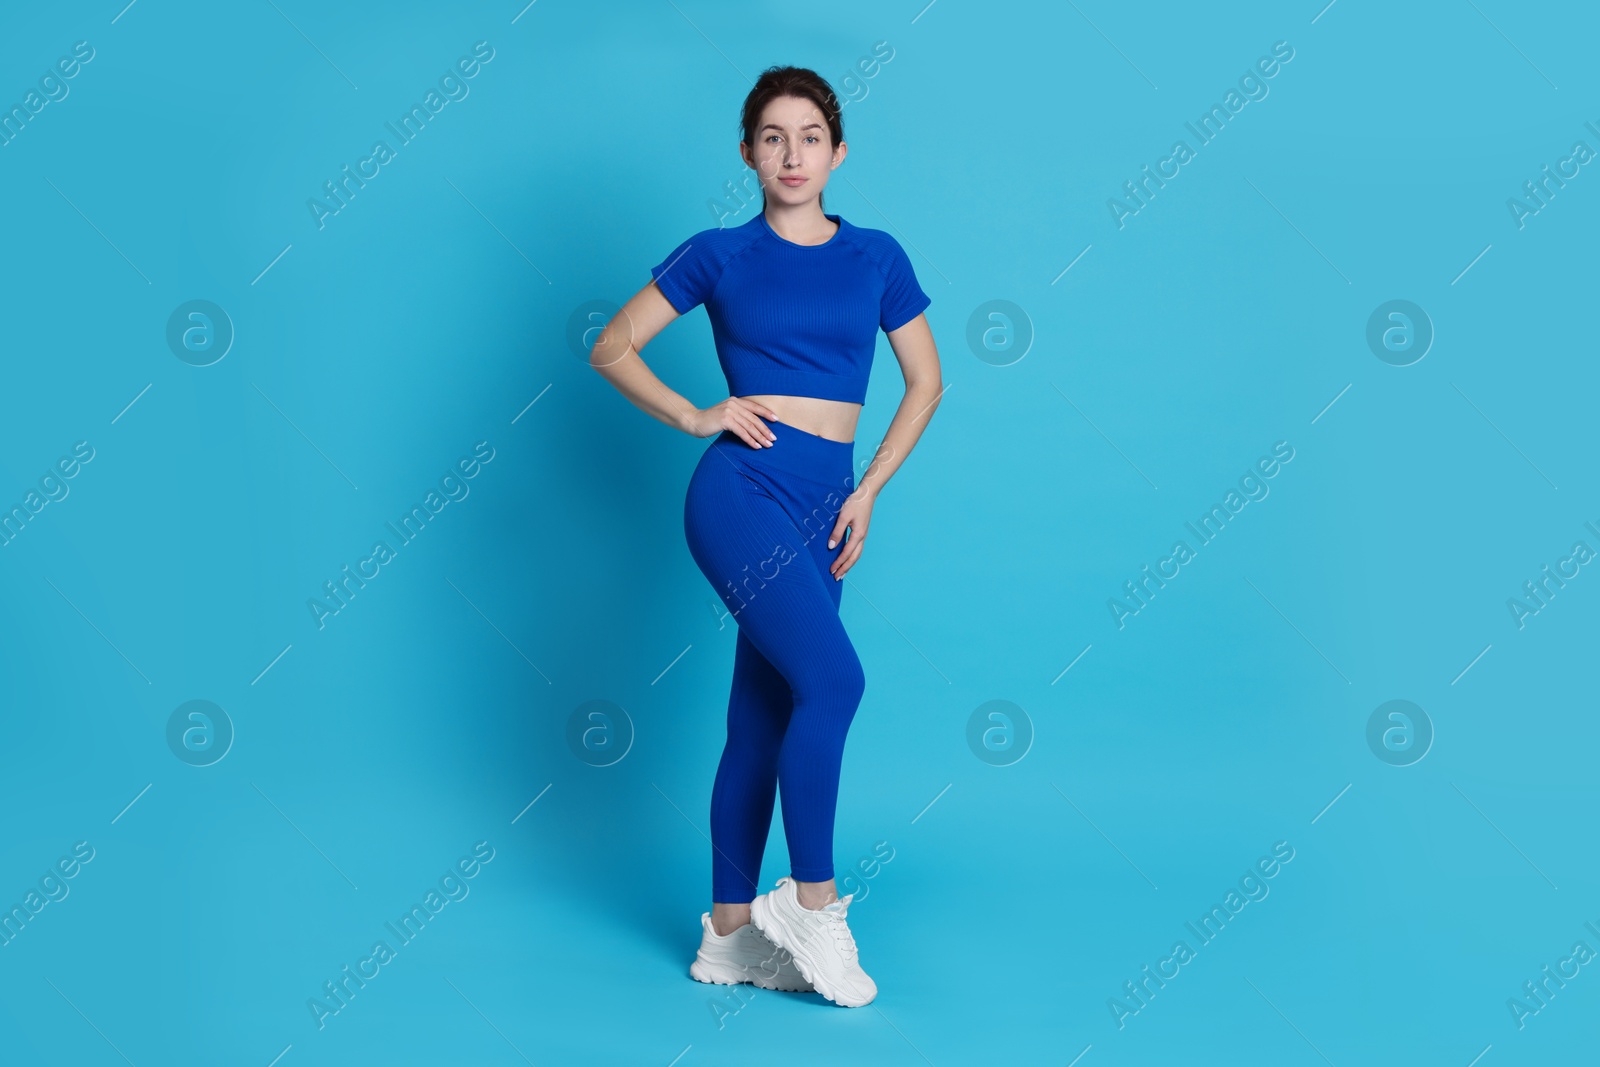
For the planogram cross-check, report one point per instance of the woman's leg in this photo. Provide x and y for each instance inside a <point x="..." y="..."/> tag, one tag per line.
<point x="795" y="624"/>
<point x="746" y="785"/>
<point x="774" y="581"/>
<point x="827" y="733"/>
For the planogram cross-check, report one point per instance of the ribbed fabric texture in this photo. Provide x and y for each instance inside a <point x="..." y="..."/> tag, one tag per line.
<point x="789" y="319"/>
<point x="757" y="523"/>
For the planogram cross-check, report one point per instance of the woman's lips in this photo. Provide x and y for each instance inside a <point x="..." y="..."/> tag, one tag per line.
<point x="792" y="181"/>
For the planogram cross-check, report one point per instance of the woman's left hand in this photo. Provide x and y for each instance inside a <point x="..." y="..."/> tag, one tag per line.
<point x="857" y="515"/>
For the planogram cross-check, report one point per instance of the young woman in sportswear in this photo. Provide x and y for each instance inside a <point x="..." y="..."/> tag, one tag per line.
<point x="773" y="515"/>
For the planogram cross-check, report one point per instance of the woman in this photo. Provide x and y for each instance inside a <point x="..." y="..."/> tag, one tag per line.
<point x="774" y="518"/>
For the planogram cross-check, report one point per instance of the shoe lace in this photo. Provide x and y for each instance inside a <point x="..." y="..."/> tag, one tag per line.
<point x="834" y="915"/>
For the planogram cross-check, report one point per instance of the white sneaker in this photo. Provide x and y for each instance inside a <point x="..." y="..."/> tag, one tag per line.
<point x="820" y="942"/>
<point x="744" y="956"/>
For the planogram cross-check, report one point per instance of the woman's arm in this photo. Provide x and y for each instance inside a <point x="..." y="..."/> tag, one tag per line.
<point x="615" y="356"/>
<point x="919" y="363"/>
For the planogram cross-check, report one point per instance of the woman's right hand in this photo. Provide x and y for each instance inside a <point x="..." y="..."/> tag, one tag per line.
<point x="741" y="416"/>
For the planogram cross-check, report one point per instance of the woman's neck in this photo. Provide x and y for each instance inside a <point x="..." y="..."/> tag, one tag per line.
<point x="803" y="225"/>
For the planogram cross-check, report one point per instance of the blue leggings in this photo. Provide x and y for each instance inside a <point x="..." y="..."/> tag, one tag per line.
<point x="757" y="521"/>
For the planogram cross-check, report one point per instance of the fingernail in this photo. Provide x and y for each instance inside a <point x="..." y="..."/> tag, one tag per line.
<point x="830" y="544"/>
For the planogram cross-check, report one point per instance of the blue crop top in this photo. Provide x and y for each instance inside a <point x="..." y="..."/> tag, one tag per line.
<point x="791" y="319"/>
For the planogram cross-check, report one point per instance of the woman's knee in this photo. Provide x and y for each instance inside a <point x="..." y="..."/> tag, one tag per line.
<point x="838" y="682"/>
<point x="854" y="685"/>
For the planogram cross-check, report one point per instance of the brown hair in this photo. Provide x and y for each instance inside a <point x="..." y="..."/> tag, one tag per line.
<point x="791" y="81"/>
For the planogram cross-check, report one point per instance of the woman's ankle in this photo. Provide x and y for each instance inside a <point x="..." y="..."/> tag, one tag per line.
<point x="813" y="896"/>
<point x="726" y="918"/>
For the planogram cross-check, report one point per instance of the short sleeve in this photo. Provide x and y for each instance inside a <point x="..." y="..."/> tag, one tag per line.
<point x="903" y="298"/>
<point x="688" y="274"/>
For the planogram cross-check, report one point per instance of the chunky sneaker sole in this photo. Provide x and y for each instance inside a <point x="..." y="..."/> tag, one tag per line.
<point x="820" y="942"/>
<point x="744" y="956"/>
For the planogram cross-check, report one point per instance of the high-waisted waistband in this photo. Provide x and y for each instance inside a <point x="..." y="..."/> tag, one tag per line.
<point x="808" y="455"/>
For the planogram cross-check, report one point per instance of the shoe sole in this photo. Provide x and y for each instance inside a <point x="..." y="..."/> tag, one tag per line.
<point x="715" y="974"/>
<point x="777" y="931"/>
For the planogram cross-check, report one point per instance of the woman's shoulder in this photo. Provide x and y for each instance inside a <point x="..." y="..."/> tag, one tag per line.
<point x="880" y="246"/>
<point x="719" y="242"/>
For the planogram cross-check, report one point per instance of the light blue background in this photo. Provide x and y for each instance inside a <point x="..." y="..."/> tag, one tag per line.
<point x="1231" y="713"/>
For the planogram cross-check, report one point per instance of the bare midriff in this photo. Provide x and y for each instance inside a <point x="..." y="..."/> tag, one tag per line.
<point x="833" y="419"/>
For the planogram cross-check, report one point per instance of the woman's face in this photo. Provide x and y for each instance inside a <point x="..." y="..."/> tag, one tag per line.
<point x="792" y="154"/>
